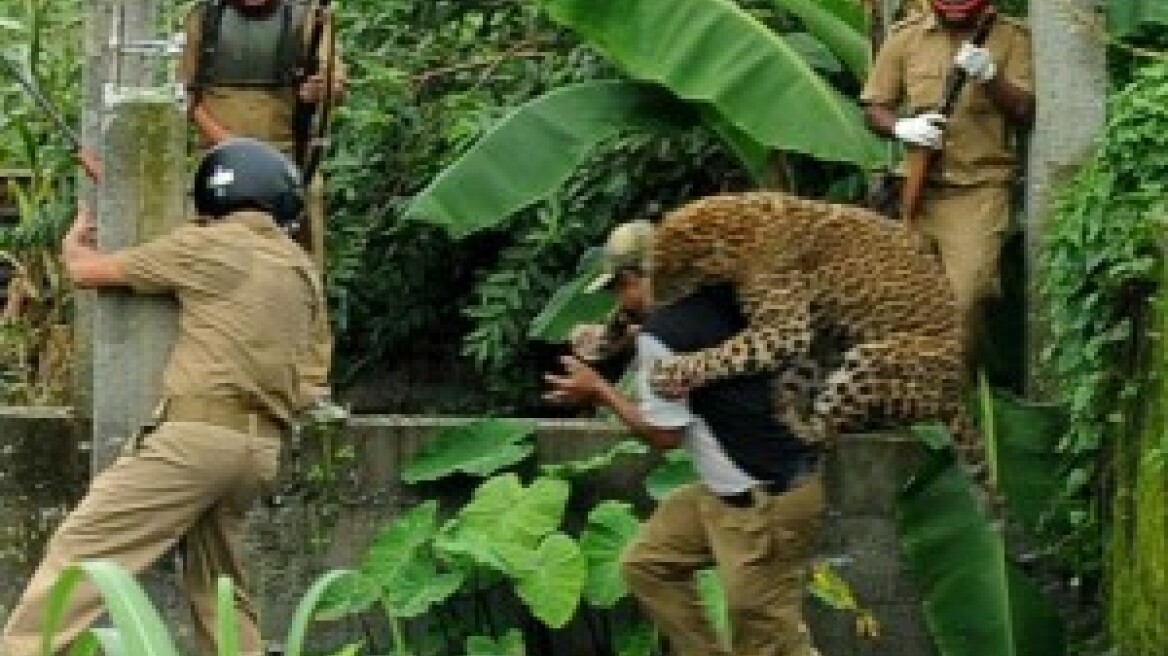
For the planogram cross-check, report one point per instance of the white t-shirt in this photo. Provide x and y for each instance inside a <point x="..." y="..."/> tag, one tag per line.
<point x="715" y="468"/>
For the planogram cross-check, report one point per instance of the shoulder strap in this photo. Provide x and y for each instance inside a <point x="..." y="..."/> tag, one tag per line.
<point x="208" y="41"/>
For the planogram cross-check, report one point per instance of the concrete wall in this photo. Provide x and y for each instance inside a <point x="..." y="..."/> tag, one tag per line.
<point x="296" y="537"/>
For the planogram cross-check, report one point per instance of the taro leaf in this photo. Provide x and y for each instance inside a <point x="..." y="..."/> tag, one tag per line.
<point x="959" y="563"/>
<point x="675" y="470"/>
<point x="419" y="586"/>
<point x="713" y="596"/>
<point x="400" y="565"/>
<point x="713" y="53"/>
<point x="611" y="526"/>
<point x="532" y="151"/>
<point x="480" y="448"/>
<point x="595" y="463"/>
<point x="550" y="578"/>
<point x="511" y="644"/>
<point x="838" y="24"/>
<point x="504" y="513"/>
<point x="11" y="25"/>
<point x="814" y="52"/>
<point x="571" y="305"/>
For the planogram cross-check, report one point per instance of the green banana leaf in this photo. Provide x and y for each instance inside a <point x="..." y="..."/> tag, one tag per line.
<point x="712" y="52"/>
<point x="1128" y="17"/>
<point x="611" y="527"/>
<point x="140" y="629"/>
<point x="227" y="629"/>
<point x="713" y="596"/>
<point x="840" y="24"/>
<point x="976" y="603"/>
<point x="814" y="51"/>
<point x="573" y="305"/>
<point x="480" y="448"/>
<point x="532" y="151"/>
<point x="1029" y="469"/>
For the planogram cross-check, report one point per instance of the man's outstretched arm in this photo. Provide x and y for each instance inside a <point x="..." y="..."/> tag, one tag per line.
<point x="85" y="265"/>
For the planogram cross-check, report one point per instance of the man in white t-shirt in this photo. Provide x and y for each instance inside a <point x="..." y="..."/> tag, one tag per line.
<point x="757" y="510"/>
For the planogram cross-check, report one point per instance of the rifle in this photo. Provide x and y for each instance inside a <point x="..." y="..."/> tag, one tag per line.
<point x="920" y="161"/>
<point x="88" y="160"/>
<point x="309" y="146"/>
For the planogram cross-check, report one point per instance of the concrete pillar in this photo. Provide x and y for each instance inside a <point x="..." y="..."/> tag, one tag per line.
<point x="1071" y="88"/>
<point x="142" y="196"/>
<point x="863" y="477"/>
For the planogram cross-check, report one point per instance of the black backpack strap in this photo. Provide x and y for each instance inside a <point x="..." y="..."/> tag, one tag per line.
<point x="208" y="41"/>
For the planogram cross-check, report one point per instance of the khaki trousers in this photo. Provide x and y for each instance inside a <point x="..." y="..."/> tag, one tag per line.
<point x="185" y="481"/>
<point x="967" y="225"/>
<point x="763" y="554"/>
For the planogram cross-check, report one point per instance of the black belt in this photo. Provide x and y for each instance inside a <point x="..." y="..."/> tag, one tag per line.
<point x="805" y="468"/>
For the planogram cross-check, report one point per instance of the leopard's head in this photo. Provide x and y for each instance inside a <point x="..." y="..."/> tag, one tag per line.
<point x="696" y="245"/>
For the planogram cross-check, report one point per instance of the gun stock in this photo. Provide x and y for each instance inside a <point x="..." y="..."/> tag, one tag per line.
<point x="918" y="163"/>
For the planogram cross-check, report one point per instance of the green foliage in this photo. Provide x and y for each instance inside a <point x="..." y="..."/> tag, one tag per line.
<point x="611" y="526"/>
<point x="479" y="448"/>
<point x="137" y="627"/>
<point x="675" y="470"/>
<point x="713" y="53"/>
<point x="531" y="152"/>
<point x="1097" y="275"/>
<point x="402" y="291"/>
<point x="959" y="562"/>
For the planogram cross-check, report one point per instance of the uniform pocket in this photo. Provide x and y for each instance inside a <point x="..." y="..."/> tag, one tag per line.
<point x="925" y="86"/>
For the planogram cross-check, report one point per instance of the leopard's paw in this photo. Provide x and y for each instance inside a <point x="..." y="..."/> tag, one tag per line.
<point x="671" y="378"/>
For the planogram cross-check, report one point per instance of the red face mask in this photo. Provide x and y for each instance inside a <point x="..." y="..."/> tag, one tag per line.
<point x="959" y="13"/>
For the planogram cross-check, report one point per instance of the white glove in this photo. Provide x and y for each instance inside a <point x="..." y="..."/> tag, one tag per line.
<point x="921" y="130"/>
<point x="976" y="61"/>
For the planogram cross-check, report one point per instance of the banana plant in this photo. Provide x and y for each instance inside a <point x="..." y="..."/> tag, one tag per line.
<point x="976" y="601"/>
<point x="688" y="61"/>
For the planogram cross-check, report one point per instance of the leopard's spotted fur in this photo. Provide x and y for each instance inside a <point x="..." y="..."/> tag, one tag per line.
<point x="827" y="288"/>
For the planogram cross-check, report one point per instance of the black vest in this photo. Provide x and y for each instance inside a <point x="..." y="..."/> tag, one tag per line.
<point x="739" y="410"/>
<point x="240" y="51"/>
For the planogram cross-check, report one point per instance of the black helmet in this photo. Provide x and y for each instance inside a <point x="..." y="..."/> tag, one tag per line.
<point x="246" y="174"/>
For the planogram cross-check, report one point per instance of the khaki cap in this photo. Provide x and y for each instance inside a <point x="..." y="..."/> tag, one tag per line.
<point x="627" y="248"/>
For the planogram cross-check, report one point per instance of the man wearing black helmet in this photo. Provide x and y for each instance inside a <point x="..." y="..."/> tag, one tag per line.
<point x="250" y="309"/>
<point x="965" y="208"/>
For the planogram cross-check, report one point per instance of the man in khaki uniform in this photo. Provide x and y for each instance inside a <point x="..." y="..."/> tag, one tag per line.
<point x="241" y="368"/>
<point x="244" y="79"/>
<point x="965" y="209"/>
<point x="757" y="510"/>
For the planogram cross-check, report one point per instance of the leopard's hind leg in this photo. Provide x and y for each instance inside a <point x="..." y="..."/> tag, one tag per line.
<point x="897" y="381"/>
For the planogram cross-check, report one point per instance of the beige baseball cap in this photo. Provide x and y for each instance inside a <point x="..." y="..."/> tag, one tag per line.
<point x="627" y="247"/>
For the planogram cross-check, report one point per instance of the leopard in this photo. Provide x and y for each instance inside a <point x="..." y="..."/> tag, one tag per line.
<point x="852" y="313"/>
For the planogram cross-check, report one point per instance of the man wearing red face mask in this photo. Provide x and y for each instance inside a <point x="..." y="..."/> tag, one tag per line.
<point x="965" y="208"/>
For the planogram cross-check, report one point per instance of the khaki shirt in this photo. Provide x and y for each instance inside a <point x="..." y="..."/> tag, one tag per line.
<point x="264" y="114"/>
<point x="910" y="72"/>
<point x="252" y="316"/>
